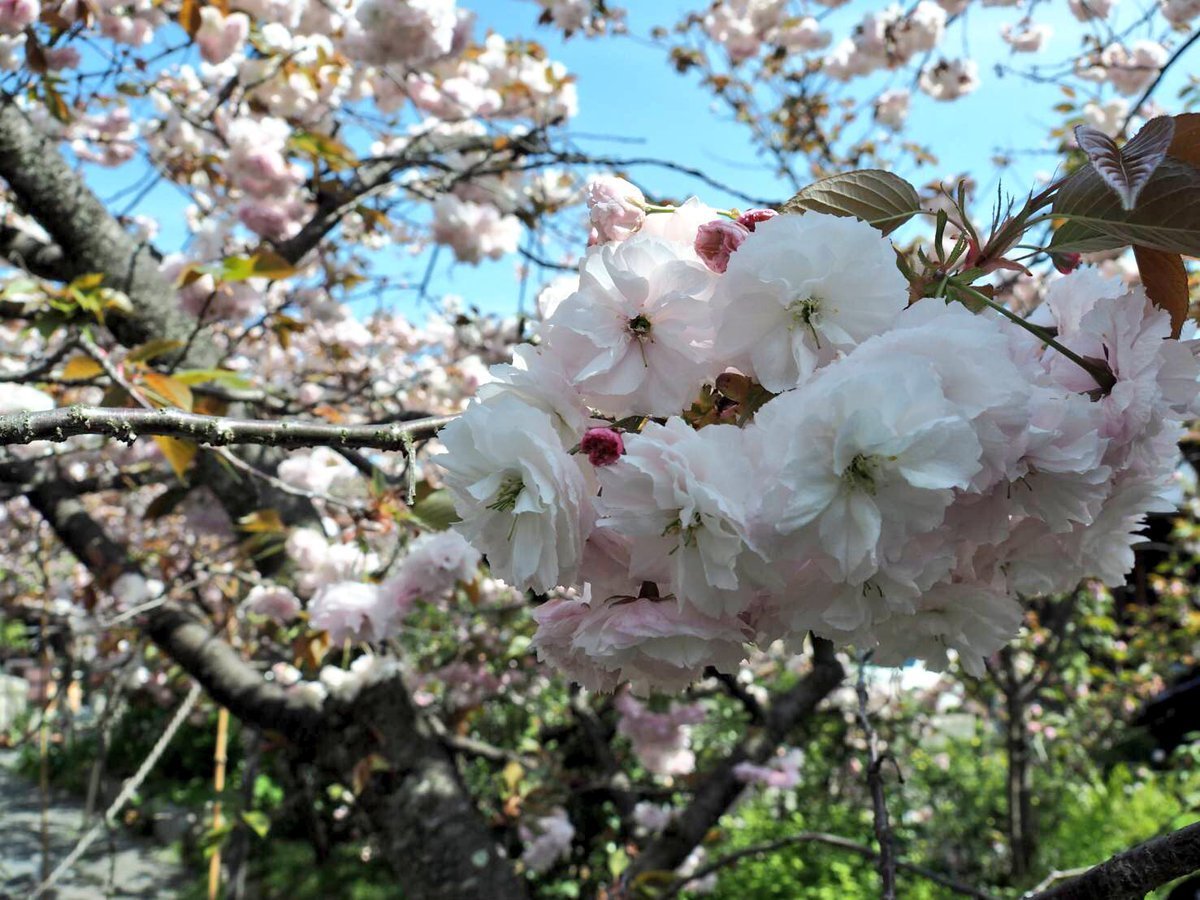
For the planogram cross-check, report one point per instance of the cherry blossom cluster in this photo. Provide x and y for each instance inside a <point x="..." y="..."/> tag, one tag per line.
<point x="737" y="429"/>
<point x="247" y="128"/>
<point x="759" y="41"/>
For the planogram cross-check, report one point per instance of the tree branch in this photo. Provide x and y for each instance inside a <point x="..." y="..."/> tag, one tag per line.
<point x="35" y="256"/>
<point x="55" y="196"/>
<point x="720" y="786"/>
<point x="886" y="857"/>
<point x="1135" y="872"/>
<point x="1153" y="86"/>
<point x="227" y="678"/>
<point x="829" y="840"/>
<point x="216" y="431"/>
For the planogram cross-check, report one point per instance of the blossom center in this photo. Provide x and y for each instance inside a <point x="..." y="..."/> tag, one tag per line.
<point x="860" y="474"/>
<point x="506" y="497"/>
<point x="687" y="532"/>
<point x="806" y="313"/>
<point x="639" y="326"/>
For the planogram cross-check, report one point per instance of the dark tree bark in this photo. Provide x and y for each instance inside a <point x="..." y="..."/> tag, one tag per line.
<point x="1135" y="872"/>
<point x="1021" y="823"/>
<point x="87" y="237"/>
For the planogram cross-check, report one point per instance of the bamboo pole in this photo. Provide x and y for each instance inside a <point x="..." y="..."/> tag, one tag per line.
<point x="219" y="757"/>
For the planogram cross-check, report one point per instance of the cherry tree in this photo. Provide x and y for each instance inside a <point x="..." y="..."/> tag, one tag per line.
<point x="860" y="422"/>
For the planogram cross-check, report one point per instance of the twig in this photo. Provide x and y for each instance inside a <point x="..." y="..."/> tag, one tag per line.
<point x="829" y="840"/>
<point x="127" y="791"/>
<point x="1153" y="86"/>
<point x="217" y="431"/>
<point x="40" y="368"/>
<point x="1056" y="875"/>
<point x="883" y="829"/>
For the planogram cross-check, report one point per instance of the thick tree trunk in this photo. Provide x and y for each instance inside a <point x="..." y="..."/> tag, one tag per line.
<point x="422" y="814"/>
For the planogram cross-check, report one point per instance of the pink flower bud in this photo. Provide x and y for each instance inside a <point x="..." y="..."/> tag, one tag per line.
<point x="1066" y="262"/>
<point x="17" y="15"/>
<point x="717" y="240"/>
<point x="752" y="217"/>
<point x="603" y="446"/>
<point x="616" y="208"/>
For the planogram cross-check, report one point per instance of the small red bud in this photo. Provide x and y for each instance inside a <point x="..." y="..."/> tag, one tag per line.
<point x="1066" y="262"/>
<point x="603" y="446"/>
<point x="752" y="217"/>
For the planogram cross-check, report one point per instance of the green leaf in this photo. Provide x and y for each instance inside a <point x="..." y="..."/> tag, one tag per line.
<point x="1167" y="216"/>
<point x="335" y="154"/>
<point x="435" y="511"/>
<point x="257" y="821"/>
<point x="263" y="263"/>
<point x="192" y="377"/>
<point x="877" y="197"/>
<point x="153" y="349"/>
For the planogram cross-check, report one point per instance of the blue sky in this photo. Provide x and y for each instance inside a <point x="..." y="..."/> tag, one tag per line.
<point x="632" y="103"/>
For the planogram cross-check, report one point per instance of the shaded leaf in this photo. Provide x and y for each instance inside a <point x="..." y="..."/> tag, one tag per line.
<point x="309" y="649"/>
<point x="1185" y="145"/>
<point x="178" y="453"/>
<point x="365" y="768"/>
<point x="1166" y="218"/>
<point x="257" y="821"/>
<point x="1165" y="280"/>
<point x="1127" y="169"/>
<point x="269" y="264"/>
<point x="435" y="510"/>
<point x="262" y="520"/>
<point x="167" y="390"/>
<point x="166" y="502"/>
<point x="877" y="197"/>
<point x="77" y="368"/>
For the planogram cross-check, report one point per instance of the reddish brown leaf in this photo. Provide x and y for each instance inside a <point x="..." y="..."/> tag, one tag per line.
<point x="189" y="16"/>
<point x="1166" y="283"/>
<point x="1167" y="216"/>
<point x="1186" y="143"/>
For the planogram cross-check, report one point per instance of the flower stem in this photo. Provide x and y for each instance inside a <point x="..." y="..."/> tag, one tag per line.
<point x="1104" y="378"/>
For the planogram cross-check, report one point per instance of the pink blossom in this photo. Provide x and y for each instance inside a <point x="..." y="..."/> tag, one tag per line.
<point x="61" y="58"/>
<point x="602" y="446"/>
<point x="661" y="740"/>
<point x="548" y="841"/>
<point x="273" y="601"/>
<point x="558" y="622"/>
<point x="348" y="609"/>
<point x="271" y="219"/>
<point x="717" y="240"/>
<point x="616" y="208"/>
<point x="17" y="15"/>
<point x="751" y="217"/>
<point x="220" y="36"/>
